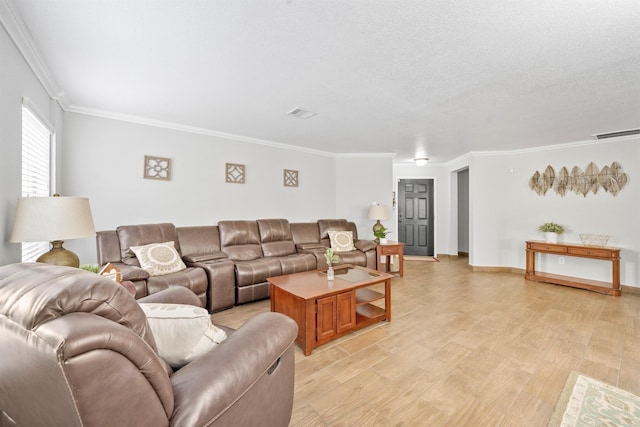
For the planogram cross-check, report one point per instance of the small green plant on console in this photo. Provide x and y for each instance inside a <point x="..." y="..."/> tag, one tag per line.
<point x="551" y="227"/>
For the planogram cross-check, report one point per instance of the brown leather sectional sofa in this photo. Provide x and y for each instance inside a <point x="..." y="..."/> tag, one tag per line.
<point x="229" y="263"/>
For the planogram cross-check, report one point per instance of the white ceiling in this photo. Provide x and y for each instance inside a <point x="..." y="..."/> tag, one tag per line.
<point x="410" y="77"/>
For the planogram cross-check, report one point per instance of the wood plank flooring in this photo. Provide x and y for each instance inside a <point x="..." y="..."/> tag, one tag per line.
<point x="464" y="348"/>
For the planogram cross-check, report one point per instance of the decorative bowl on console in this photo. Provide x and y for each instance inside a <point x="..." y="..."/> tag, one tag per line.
<point x="594" y="239"/>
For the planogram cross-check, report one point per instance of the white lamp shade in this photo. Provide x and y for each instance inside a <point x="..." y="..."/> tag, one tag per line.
<point x="378" y="212"/>
<point x="44" y="219"/>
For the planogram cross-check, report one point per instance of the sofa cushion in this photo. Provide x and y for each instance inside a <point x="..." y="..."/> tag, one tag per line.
<point x="159" y="258"/>
<point x="240" y="240"/>
<point x="325" y="225"/>
<point x="198" y="240"/>
<point x="143" y="234"/>
<point x="353" y="257"/>
<point x="182" y="332"/>
<point x="297" y="263"/>
<point x="256" y="271"/>
<point x="341" y="241"/>
<point x="305" y="232"/>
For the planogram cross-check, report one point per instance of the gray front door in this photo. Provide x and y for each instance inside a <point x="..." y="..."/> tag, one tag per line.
<point x="415" y="216"/>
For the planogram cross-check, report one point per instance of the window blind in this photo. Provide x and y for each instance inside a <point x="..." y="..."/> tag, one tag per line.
<point x="36" y="170"/>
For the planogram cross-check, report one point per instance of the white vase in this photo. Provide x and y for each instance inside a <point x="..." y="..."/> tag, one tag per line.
<point x="551" y="237"/>
<point x="330" y="273"/>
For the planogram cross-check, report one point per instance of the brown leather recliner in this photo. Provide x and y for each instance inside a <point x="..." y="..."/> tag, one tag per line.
<point x="76" y="350"/>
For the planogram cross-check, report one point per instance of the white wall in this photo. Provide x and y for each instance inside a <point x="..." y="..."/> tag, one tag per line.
<point x="16" y="81"/>
<point x="105" y="159"/>
<point x="600" y="213"/>
<point x="361" y="181"/>
<point x="505" y="212"/>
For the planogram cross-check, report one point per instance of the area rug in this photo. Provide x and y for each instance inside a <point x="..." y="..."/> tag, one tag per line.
<point x="420" y="258"/>
<point x="588" y="402"/>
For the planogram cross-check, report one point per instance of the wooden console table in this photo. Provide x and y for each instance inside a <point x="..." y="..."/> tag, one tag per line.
<point x="575" y="250"/>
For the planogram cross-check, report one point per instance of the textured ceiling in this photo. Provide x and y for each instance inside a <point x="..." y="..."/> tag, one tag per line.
<point x="412" y="78"/>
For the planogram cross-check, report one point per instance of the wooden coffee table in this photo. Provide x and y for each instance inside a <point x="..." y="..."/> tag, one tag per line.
<point x="325" y="310"/>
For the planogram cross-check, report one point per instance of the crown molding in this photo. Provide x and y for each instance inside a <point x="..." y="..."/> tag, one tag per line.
<point x="14" y="25"/>
<point x="190" y="129"/>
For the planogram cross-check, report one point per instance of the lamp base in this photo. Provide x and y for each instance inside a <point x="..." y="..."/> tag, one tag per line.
<point x="59" y="256"/>
<point x="377" y="226"/>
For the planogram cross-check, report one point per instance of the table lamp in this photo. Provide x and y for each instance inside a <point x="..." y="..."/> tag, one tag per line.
<point x="53" y="219"/>
<point x="378" y="212"/>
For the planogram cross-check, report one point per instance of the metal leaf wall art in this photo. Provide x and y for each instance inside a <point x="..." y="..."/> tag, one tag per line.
<point x="611" y="179"/>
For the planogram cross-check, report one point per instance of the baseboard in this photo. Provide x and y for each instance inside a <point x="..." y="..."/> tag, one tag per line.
<point x="626" y="289"/>
<point x="498" y="269"/>
<point x="491" y="269"/>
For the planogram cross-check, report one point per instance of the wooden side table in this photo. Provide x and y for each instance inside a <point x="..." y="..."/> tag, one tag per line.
<point x="388" y="250"/>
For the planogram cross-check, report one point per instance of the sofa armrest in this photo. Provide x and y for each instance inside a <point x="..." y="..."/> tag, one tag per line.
<point x="365" y="245"/>
<point x="232" y="379"/>
<point x="193" y="258"/>
<point x="301" y="247"/>
<point x="173" y="295"/>
<point x="131" y="272"/>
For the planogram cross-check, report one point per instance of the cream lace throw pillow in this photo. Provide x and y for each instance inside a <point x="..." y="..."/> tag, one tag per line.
<point x="159" y="258"/>
<point x="341" y="241"/>
<point x="182" y="332"/>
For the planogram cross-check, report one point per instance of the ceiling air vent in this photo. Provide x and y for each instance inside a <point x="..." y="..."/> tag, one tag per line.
<point x="629" y="132"/>
<point x="301" y="114"/>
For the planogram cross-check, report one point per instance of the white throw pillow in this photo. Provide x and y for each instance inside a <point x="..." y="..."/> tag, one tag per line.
<point x="182" y="332"/>
<point x="159" y="258"/>
<point x="341" y="241"/>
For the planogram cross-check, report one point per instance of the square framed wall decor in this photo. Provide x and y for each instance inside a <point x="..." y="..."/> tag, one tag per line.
<point x="158" y="168"/>
<point x="235" y="173"/>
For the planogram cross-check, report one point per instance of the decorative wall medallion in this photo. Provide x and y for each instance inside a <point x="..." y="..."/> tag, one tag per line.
<point x="611" y="179"/>
<point x="158" y="168"/>
<point x="290" y="178"/>
<point x="235" y="173"/>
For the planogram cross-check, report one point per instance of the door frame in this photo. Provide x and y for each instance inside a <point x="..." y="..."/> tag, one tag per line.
<point x="435" y="206"/>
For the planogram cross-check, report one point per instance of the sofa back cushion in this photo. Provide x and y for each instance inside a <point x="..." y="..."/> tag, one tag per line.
<point x="325" y="225"/>
<point x="199" y="240"/>
<point x="108" y="247"/>
<point x="275" y="237"/>
<point x="240" y="240"/>
<point x="143" y="234"/>
<point x="305" y="232"/>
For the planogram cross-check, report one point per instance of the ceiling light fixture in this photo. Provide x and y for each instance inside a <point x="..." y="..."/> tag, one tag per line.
<point x="421" y="161"/>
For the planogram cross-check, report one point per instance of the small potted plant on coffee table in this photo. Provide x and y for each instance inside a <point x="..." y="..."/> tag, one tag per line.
<point x="331" y="257"/>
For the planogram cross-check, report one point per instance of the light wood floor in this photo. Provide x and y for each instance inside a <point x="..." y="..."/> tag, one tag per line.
<point x="464" y="349"/>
